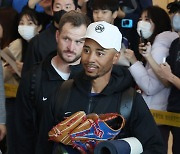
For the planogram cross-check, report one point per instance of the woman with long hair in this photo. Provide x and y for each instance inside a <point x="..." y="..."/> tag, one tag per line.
<point x="154" y="28"/>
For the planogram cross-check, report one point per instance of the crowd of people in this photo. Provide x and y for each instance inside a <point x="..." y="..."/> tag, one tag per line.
<point x="53" y="42"/>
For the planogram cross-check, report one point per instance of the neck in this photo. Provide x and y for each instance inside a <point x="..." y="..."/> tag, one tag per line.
<point x="100" y="83"/>
<point x="60" y="64"/>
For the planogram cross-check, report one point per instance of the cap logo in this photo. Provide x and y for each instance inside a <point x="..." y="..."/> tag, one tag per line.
<point x="99" y="28"/>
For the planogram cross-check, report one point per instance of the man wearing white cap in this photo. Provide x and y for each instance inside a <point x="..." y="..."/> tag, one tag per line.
<point x="98" y="90"/>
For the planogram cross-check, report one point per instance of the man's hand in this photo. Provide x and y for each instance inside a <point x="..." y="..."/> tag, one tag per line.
<point x="45" y="3"/>
<point x="129" y="54"/>
<point x="32" y="3"/>
<point x="2" y="131"/>
<point x="145" y="50"/>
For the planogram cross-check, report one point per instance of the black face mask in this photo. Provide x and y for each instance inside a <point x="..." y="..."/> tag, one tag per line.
<point x="57" y="15"/>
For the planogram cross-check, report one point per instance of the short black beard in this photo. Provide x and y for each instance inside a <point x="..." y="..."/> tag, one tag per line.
<point x="60" y="55"/>
<point x="91" y="77"/>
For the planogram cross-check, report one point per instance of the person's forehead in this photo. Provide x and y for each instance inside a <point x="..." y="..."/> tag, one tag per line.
<point x="63" y="2"/>
<point x="26" y="17"/>
<point x="144" y="14"/>
<point x="76" y="31"/>
<point x="69" y="24"/>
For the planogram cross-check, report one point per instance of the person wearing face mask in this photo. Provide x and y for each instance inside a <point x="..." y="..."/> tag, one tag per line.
<point x="169" y="73"/>
<point x="45" y="43"/>
<point x="28" y="26"/>
<point x="176" y="22"/>
<point x="156" y="36"/>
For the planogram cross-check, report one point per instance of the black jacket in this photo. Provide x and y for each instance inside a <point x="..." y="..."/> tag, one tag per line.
<point x="27" y="111"/>
<point x="141" y="123"/>
<point x="174" y="61"/>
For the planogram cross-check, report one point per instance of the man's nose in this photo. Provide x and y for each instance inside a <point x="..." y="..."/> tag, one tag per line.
<point x="71" y="46"/>
<point x="92" y="57"/>
<point x="99" y="14"/>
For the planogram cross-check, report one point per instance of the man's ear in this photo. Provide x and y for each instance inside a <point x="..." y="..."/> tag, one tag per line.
<point x="114" y="15"/>
<point x="39" y="28"/>
<point x="116" y="57"/>
<point x="57" y="35"/>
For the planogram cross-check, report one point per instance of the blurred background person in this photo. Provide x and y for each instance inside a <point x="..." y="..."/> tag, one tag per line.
<point x="28" y="26"/>
<point x="2" y="109"/>
<point x="8" y="33"/>
<point x="169" y="73"/>
<point x="5" y="3"/>
<point x="159" y="36"/>
<point x="8" y="23"/>
<point x="128" y="15"/>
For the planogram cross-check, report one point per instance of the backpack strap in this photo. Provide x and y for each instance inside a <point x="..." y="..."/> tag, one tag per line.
<point x="125" y="106"/>
<point x="126" y="103"/>
<point x="63" y="96"/>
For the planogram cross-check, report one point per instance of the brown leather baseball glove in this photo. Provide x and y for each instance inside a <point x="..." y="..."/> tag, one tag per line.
<point x="60" y="132"/>
<point x="85" y="131"/>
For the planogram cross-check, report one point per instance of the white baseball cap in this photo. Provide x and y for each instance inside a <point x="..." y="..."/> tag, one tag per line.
<point x="107" y="35"/>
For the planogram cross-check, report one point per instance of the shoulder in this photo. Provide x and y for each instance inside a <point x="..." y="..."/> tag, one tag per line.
<point x="16" y="45"/>
<point x="139" y="107"/>
<point x="165" y="39"/>
<point x="51" y="30"/>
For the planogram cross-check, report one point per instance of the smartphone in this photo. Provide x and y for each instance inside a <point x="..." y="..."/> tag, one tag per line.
<point x="127" y="23"/>
<point x="142" y="38"/>
<point x="125" y="42"/>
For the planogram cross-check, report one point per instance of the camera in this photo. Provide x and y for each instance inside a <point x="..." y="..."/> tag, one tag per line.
<point x="127" y="23"/>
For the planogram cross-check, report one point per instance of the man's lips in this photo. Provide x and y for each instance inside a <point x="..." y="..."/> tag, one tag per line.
<point x="91" y="68"/>
<point x="69" y="53"/>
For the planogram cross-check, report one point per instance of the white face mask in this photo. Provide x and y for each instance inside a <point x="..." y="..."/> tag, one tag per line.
<point x="145" y="27"/>
<point x="176" y="22"/>
<point x="27" y="32"/>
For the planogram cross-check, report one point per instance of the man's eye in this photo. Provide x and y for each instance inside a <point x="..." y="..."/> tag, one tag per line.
<point x="104" y="12"/>
<point x="67" y="7"/>
<point x="58" y="6"/>
<point x="100" y="54"/>
<point x="66" y="39"/>
<point x="79" y="42"/>
<point x="86" y="50"/>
